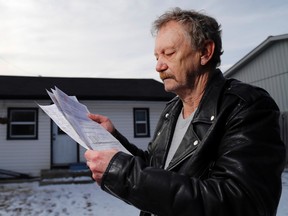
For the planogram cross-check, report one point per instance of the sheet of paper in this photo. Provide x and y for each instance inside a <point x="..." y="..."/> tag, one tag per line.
<point x="57" y="116"/>
<point x="72" y="117"/>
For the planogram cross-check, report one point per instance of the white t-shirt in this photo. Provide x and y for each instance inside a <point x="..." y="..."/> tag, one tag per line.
<point x="179" y="132"/>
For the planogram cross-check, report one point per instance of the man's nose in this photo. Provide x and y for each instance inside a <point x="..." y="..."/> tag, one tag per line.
<point x="161" y="66"/>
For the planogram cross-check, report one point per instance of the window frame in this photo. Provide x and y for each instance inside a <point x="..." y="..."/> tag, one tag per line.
<point x="146" y="121"/>
<point x="10" y="135"/>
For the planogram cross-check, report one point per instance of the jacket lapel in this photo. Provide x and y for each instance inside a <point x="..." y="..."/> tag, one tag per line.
<point x="204" y="117"/>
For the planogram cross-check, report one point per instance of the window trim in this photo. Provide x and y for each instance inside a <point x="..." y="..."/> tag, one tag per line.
<point x="22" y="137"/>
<point x="147" y="122"/>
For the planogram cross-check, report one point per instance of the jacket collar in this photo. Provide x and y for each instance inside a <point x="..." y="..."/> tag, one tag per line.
<point x="206" y="113"/>
<point x="208" y="104"/>
<point x="207" y="109"/>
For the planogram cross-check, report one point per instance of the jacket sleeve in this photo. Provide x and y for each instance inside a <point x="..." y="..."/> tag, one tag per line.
<point x="245" y="178"/>
<point x="134" y="150"/>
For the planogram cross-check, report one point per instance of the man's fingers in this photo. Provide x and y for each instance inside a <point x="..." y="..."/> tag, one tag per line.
<point x="96" y="174"/>
<point x="94" y="117"/>
<point x="98" y="161"/>
<point x="89" y="155"/>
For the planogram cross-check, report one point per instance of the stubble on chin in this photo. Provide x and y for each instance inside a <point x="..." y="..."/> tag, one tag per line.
<point x="170" y="84"/>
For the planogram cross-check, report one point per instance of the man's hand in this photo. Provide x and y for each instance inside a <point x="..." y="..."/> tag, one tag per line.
<point x="103" y="121"/>
<point x="98" y="161"/>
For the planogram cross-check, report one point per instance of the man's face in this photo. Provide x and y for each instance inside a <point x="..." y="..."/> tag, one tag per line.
<point x="177" y="63"/>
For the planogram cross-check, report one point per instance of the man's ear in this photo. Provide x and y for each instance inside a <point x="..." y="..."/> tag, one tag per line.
<point x="207" y="52"/>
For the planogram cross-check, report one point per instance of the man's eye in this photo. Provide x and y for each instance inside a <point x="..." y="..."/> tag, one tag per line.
<point x="169" y="53"/>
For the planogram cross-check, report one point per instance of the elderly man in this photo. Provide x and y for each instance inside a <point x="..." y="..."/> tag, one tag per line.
<point x="216" y="149"/>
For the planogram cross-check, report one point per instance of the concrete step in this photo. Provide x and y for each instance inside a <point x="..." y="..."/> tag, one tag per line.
<point x="65" y="176"/>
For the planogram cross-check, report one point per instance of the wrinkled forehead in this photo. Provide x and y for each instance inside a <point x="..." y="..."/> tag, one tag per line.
<point x="171" y="34"/>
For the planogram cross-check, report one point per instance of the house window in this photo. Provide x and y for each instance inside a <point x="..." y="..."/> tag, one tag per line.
<point x="22" y="123"/>
<point x="141" y="122"/>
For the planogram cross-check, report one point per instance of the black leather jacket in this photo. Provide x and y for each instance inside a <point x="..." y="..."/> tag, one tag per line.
<point x="229" y="162"/>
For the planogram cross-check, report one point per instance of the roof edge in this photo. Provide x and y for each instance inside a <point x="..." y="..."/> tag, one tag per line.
<point x="269" y="40"/>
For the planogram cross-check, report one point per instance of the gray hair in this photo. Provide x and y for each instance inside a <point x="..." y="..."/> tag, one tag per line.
<point x="199" y="27"/>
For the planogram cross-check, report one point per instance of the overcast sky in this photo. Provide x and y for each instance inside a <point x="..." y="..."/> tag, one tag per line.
<point x="112" y="38"/>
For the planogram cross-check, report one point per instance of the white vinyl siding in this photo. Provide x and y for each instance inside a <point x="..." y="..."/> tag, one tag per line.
<point x="26" y="156"/>
<point x="121" y="114"/>
<point x="32" y="156"/>
<point x="269" y="70"/>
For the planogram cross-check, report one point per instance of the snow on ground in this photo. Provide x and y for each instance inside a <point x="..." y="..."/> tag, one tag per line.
<point x="76" y="199"/>
<point x="283" y="205"/>
<point x="73" y="199"/>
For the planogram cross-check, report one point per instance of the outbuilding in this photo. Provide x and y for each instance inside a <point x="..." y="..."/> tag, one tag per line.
<point x="266" y="66"/>
<point x="31" y="142"/>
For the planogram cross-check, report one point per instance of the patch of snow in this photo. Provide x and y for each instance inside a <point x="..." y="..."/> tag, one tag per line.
<point x="68" y="179"/>
<point x="77" y="199"/>
<point x="283" y="207"/>
<point x="73" y="199"/>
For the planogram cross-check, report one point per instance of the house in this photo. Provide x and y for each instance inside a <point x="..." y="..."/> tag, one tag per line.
<point x="31" y="142"/>
<point x="267" y="66"/>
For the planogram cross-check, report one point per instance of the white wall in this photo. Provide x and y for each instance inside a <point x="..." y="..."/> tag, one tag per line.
<point x="31" y="156"/>
<point x="121" y="114"/>
<point x="26" y="156"/>
<point x="269" y="70"/>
